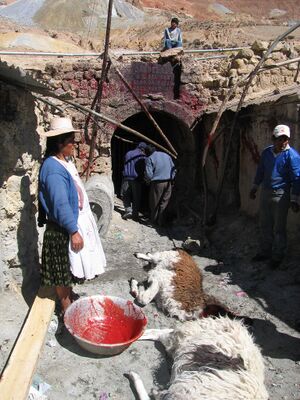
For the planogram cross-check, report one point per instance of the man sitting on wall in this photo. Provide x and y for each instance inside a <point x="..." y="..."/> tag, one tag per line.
<point x="173" y="35"/>
<point x="278" y="173"/>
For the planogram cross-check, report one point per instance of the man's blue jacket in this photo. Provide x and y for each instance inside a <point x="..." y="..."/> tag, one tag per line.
<point x="280" y="171"/>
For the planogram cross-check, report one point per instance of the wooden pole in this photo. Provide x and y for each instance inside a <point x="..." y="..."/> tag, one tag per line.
<point x="113" y="122"/>
<point x="155" y="124"/>
<point x="98" y="97"/>
<point x="297" y="73"/>
<point x="281" y="64"/>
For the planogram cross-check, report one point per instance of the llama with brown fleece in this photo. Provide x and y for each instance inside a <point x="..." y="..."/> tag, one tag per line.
<point x="175" y="282"/>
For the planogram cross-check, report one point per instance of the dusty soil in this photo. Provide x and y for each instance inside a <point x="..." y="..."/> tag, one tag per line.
<point x="204" y="10"/>
<point x="271" y="298"/>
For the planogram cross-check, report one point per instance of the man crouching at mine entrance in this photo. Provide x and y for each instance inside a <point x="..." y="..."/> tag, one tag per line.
<point x="279" y="173"/>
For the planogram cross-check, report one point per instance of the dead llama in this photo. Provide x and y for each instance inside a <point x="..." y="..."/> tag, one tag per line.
<point x="214" y="359"/>
<point x="175" y="283"/>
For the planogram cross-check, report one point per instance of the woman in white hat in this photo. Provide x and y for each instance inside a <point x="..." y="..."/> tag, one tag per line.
<point x="72" y="250"/>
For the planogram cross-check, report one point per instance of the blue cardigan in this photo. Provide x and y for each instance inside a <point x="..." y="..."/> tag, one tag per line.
<point x="58" y="195"/>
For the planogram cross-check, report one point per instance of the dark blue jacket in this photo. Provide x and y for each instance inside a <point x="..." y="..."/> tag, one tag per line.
<point x="134" y="166"/>
<point x="279" y="172"/>
<point x="58" y="195"/>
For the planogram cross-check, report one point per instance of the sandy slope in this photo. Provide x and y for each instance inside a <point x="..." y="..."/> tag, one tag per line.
<point x="205" y="9"/>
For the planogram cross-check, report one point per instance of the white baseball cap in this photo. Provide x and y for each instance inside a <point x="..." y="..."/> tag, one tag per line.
<point x="281" y="130"/>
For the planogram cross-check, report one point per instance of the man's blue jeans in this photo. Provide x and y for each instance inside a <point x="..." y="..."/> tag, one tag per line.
<point x="170" y="45"/>
<point x="274" y="207"/>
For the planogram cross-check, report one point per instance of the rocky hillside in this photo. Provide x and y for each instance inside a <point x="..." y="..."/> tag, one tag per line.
<point x="68" y="15"/>
<point x="213" y="10"/>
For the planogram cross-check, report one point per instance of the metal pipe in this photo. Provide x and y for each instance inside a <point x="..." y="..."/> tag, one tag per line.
<point x="191" y="51"/>
<point x="49" y="54"/>
<point x="210" y="58"/>
<point x="219" y="50"/>
<point x="53" y="54"/>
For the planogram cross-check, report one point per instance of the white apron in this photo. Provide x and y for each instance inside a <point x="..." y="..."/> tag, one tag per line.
<point x="90" y="261"/>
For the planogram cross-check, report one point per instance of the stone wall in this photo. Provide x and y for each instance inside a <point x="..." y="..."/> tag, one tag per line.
<point x="253" y="133"/>
<point x="20" y="156"/>
<point x="202" y="86"/>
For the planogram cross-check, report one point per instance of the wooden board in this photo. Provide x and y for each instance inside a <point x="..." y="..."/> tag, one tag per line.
<point x="20" y="367"/>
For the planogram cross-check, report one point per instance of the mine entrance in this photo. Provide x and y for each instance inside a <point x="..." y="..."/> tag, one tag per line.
<point x="176" y="131"/>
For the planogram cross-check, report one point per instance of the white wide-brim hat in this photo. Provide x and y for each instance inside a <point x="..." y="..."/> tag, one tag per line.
<point x="59" y="126"/>
<point x="281" y="130"/>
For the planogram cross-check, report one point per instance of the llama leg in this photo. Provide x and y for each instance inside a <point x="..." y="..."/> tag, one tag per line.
<point x="145" y="296"/>
<point x="146" y="257"/>
<point x="138" y="385"/>
<point x="159" y="335"/>
<point x="134" y="287"/>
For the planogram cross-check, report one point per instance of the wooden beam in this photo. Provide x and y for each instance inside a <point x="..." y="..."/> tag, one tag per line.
<point x="21" y="365"/>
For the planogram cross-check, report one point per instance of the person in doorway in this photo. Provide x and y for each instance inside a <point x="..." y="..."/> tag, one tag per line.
<point x="173" y="35"/>
<point x="160" y="172"/>
<point x="72" y="250"/>
<point x="278" y="173"/>
<point x="133" y="177"/>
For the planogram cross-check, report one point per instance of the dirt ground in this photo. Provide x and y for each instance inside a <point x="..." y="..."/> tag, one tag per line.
<point x="271" y="298"/>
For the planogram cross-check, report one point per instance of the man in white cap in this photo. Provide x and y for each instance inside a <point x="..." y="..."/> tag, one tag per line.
<point x="278" y="173"/>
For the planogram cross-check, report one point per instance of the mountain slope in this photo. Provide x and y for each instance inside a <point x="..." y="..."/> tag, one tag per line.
<point x="68" y="15"/>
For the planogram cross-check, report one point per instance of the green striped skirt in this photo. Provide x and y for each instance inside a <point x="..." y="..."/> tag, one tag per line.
<point x="55" y="268"/>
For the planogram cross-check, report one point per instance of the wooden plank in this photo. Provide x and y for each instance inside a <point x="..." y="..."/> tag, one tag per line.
<point x="21" y="364"/>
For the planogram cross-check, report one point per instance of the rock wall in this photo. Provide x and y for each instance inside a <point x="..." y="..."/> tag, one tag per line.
<point x="253" y="133"/>
<point x="186" y="87"/>
<point x="20" y="156"/>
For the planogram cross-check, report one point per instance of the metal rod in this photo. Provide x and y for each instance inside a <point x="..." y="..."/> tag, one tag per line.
<point x="155" y="124"/>
<point x="49" y="54"/>
<point x="218" y="50"/>
<point x="98" y="97"/>
<point x="191" y="51"/>
<point x="54" y="54"/>
<point x="210" y="58"/>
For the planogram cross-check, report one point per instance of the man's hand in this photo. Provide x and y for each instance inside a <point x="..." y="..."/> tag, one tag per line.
<point x="76" y="242"/>
<point x="295" y="206"/>
<point x="252" y="193"/>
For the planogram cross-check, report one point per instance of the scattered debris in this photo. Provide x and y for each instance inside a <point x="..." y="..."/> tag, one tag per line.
<point x="38" y="389"/>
